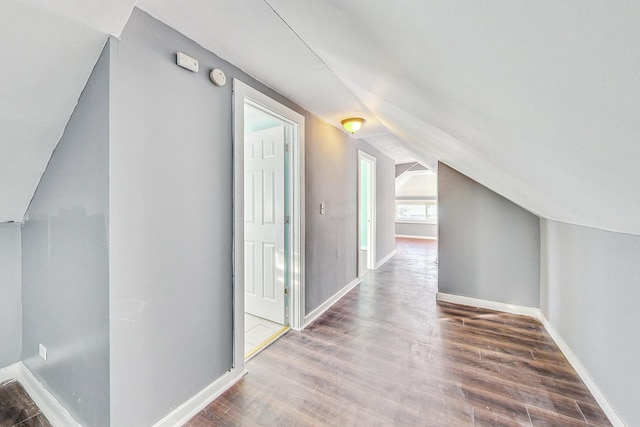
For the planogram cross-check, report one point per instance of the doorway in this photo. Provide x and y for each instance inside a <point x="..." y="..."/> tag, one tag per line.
<point x="366" y="213"/>
<point x="268" y="221"/>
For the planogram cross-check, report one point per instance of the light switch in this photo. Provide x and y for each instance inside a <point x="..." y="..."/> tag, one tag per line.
<point x="321" y="208"/>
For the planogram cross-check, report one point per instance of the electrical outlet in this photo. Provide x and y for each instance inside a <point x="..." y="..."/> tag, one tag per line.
<point x="42" y="351"/>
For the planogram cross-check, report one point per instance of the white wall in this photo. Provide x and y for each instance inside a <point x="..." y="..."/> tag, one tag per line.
<point x="590" y="289"/>
<point x="426" y="230"/>
<point x="421" y="185"/>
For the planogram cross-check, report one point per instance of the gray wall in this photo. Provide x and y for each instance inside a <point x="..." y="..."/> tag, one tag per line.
<point x="590" y="293"/>
<point x="488" y="247"/>
<point x="331" y="239"/>
<point x="65" y="281"/>
<point x="171" y="223"/>
<point x="11" y="295"/>
<point x="171" y="219"/>
<point x="416" y="229"/>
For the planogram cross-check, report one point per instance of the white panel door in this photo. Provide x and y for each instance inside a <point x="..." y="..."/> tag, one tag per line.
<point x="264" y="256"/>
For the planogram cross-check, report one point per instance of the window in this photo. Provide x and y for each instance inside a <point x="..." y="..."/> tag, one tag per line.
<point x="416" y="211"/>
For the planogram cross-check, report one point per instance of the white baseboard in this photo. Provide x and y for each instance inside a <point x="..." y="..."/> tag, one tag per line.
<point x="410" y="236"/>
<point x="490" y="305"/>
<point x="309" y="318"/>
<point x="604" y="403"/>
<point x="582" y="372"/>
<point x="384" y="260"/>
<point x="10" y="372"/>
<point x="198" y="402"/>
<point x="57" y="414"/>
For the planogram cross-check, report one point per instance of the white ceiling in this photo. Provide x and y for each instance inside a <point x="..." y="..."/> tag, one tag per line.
<point x="539" y="101"/>
<point x="417" y="184"/>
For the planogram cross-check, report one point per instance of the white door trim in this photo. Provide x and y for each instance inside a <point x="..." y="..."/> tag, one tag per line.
<point x="371" y="253"/>
<point x="243" y="93"/>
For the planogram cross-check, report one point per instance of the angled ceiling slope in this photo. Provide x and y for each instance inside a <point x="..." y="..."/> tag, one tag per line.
<point x="536" y="100"/>
<point x="48" y="51"/>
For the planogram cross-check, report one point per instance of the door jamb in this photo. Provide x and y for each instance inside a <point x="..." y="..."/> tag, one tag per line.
<point x="241" y="93"/>
<point x="371" y="253"/>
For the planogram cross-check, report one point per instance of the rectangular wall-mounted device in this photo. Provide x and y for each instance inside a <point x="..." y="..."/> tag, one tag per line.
<point x="185" y="61"/>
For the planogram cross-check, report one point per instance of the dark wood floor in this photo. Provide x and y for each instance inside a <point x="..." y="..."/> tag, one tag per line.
<point x="17" y="409"/>
<point x="387" y="353"/>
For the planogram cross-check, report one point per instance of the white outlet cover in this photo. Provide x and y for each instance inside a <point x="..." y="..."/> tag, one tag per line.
<point x="42" y="351"/>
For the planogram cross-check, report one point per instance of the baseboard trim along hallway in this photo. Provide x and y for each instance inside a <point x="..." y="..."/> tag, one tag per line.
<point x="50" y="407"/>
<point x="580" y="369"/>
<point x="389" y="353"/>
<point x="384" y="260"/>
<point x="410" y="236"/>
<point x="489" y="305"/>
<point x="313" y="315"/>
<point x="584" y="375"/>
<point x="197" y="403"/>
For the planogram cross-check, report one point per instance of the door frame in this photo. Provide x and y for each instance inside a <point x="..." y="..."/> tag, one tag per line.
<point x="243" y="93"/>
<point x="371" y="240"/>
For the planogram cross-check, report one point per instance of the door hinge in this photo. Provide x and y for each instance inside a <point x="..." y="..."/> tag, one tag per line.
<point x="286" y="148"/>
<point x="287" y="219"/>
<point x="286" y="291"/>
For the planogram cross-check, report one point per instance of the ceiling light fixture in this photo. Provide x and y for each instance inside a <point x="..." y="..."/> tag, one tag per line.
<point x="353" y="124"/>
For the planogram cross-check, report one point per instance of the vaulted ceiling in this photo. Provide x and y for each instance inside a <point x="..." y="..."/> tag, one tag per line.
<point x="539" y="101"/>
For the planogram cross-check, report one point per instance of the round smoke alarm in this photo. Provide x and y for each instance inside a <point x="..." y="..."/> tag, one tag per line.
<point x="217" y="77"/>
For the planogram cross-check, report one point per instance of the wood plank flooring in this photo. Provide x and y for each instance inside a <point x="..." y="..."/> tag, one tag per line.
<point x="389" y="354"/>
<point x="17" y="409"/>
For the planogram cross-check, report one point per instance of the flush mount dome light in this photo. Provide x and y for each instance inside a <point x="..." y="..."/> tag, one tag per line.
<point x="353" y="124"/>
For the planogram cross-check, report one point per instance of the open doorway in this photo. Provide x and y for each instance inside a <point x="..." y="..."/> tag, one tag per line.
<point x="366" y="213"/>
<point x="265" y="211"/>
<point x="268" y="256"/>
<point x="416" y="191"/>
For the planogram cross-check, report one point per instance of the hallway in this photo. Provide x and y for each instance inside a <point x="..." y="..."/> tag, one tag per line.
<point x="387" y="353"/>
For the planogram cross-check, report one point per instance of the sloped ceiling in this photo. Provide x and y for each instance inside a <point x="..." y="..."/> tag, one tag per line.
<point x="539" y="101"/>
<point x="48" y="51"/>
<point x="414" y="184"/>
